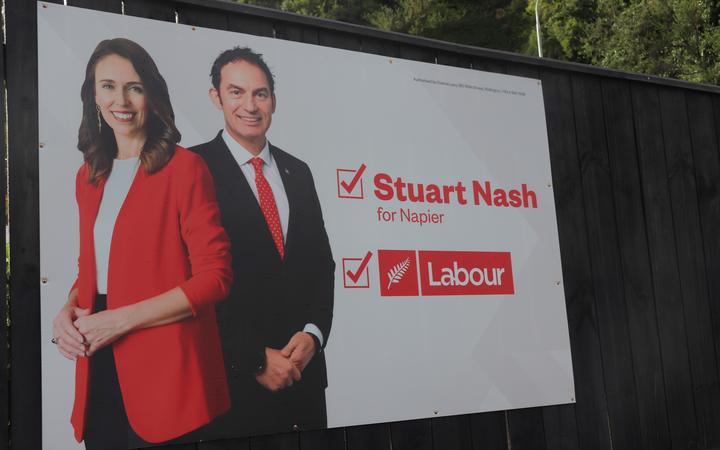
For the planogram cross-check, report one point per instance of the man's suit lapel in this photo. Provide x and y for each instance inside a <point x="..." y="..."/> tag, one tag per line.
<point x="232" y="176"/>
<point x="237" y="195"/>
<point x="289" y="179"/>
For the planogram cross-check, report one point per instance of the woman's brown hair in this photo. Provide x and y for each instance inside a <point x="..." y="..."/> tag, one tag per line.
<point x="98" y="143"/>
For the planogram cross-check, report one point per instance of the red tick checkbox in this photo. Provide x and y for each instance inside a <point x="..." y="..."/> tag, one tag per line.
<point x="355" y="273"/>
<point x="350" y="183"/>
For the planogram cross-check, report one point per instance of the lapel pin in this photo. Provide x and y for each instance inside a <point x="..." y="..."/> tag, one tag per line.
<point x="287" y="172"/>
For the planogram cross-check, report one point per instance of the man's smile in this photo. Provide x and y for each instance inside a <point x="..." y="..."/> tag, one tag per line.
<point x="252" y="120"/>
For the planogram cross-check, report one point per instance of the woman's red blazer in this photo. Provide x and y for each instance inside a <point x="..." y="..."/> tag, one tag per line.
<point x="167" y="234"/>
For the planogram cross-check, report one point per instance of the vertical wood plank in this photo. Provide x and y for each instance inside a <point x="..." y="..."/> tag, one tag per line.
<point x="591" y="408"/>
<point x="4" y="311"/>
<point x="489" y="431"/>
<point x="294" y="32"/>
<point x="663" y="262"/>
<point x="635" y="266"/>
<point x="21" y="72"/>
<point x="454" y="59"/>
<point x="716" y="110"/>
<point x="451" y="433"/>
<point x="337" y="39"/>
<point x="188" y="446"/>
<point x="411" y="435"/>
<point x="415" y="53"/>
<point x="489" y="65"/>
<point x="113" y="6"/>
<point x="560" y="427"/>
<point x="526" y="430"/>
<point x="369" y="437"/>
<point x="331" y="439"/>
<point x="226" y="444"/>
<point x="605" y="262"/>
<point x="379" y="47"/>
<point x="151" y="9"/>
<point x="202" y="17"/>
<point x="706" y="149"/>
<point x="707" y="176"/>
<point x="250" y="25"/>
<point x="523" y="70"/>
<point x="285" y="441"/>
<point x="691" y="263"/>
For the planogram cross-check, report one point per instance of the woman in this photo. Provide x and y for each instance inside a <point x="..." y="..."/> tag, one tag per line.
<point x="154" y="258"/>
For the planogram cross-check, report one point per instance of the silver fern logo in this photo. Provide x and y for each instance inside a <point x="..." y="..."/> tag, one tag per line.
<point x="397" y="272"/>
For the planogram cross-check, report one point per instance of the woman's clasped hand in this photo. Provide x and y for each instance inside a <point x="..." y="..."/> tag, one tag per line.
<point x="71" y="343"/>
<point x="79" y="333"/>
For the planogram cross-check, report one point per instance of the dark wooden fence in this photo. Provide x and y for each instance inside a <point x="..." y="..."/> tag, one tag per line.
<point x="636" y="168"/>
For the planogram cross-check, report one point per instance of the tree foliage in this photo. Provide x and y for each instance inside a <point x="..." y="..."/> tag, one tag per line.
<point x="565" y="27"/>
<point x="352" y="11"/>
<point x="499" y="24"/>
<point x="671" y="38"/>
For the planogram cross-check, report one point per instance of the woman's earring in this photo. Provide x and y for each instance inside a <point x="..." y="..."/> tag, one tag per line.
<point x="99" y="119"/>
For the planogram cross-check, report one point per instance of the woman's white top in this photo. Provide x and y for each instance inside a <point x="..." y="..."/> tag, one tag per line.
<point x="116" y="189"/>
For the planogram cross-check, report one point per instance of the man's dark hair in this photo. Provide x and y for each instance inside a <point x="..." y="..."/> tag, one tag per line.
<point x="236" y="54"/>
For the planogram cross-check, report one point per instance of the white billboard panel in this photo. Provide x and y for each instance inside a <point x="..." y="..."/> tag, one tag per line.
<point x="436" y="195"/>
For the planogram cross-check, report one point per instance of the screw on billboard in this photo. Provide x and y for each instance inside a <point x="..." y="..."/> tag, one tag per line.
<point x="409" y="212"/>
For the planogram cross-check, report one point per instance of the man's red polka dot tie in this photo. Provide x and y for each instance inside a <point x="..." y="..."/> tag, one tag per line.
<point x="268" y="205"/>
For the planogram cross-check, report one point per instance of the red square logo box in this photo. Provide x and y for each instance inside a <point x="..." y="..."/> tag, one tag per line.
<point x="398" y="273"/>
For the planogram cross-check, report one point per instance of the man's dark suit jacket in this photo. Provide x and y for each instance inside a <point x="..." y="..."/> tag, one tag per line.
<point x="271" y="299"/>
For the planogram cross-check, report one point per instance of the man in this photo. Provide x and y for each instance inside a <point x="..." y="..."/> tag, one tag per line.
<point x="276" y="321"/>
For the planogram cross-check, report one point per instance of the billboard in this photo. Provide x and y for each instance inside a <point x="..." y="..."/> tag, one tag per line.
<point x="397" y="259"/>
